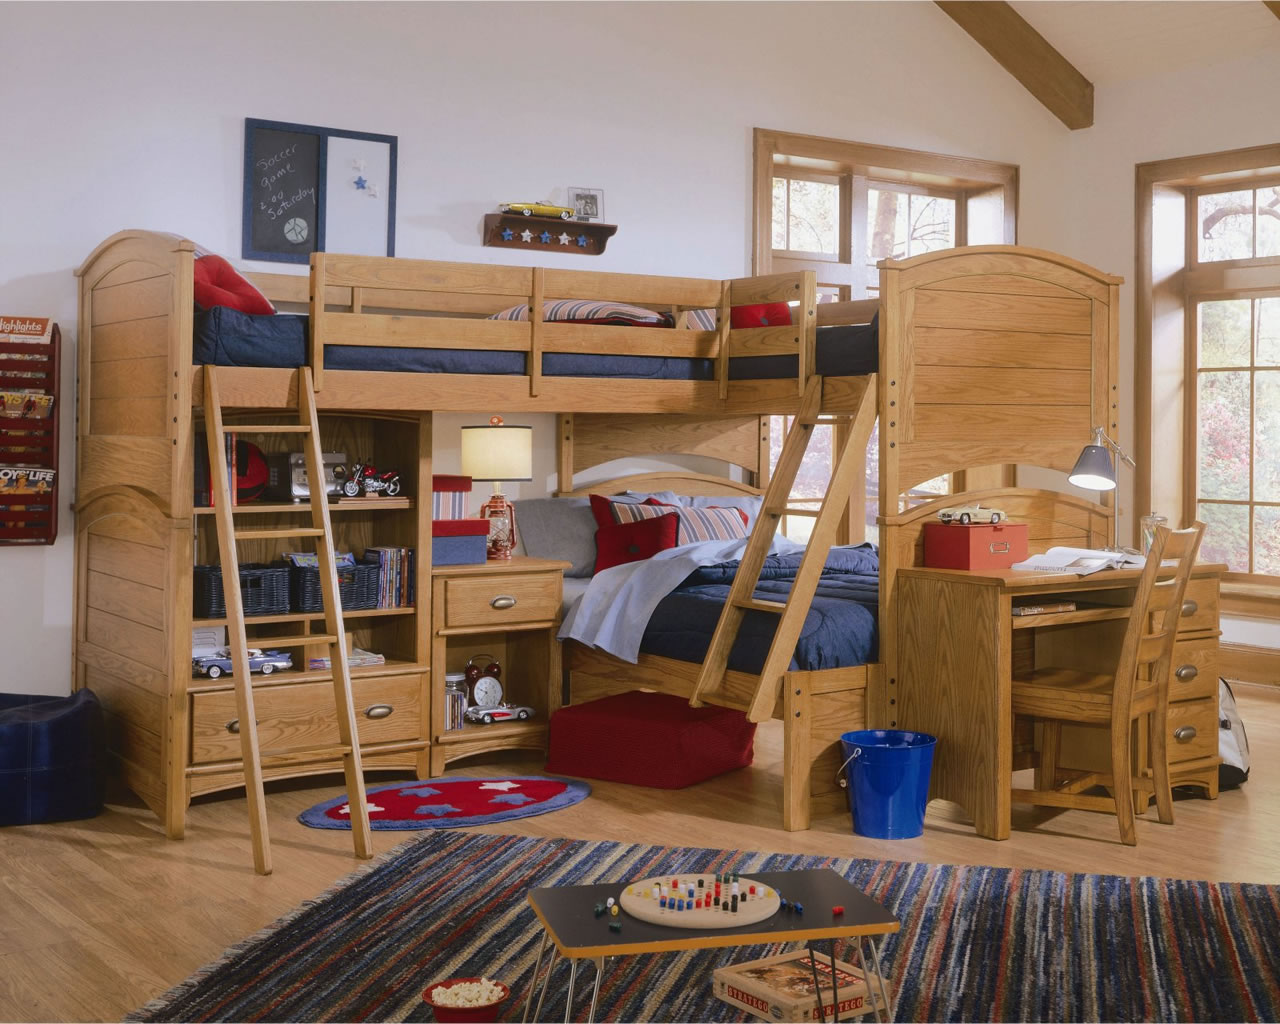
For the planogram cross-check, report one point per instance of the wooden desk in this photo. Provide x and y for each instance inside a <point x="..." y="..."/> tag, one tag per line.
<point x="957" y="644"/>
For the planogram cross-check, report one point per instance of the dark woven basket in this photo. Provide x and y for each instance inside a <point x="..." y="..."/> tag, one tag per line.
<point x="264" y="590"/>
<point x="357" y="587"/>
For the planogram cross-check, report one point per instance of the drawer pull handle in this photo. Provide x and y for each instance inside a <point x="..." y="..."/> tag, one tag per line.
<point x="1189" y="607"/>
<point x="1187" y="673"/>
<point x="503" y="601"/>
<point x="233" y="726"/>
<point x="378" y="711"/>
<point x="1184" y="733"/>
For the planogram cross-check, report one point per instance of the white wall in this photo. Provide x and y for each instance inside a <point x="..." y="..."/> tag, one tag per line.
<point x="133" y="116"/>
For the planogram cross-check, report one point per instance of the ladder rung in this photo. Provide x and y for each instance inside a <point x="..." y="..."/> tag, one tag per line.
<point x="761" y="606"/>
<point x="266" y="428"/>
<point x="281" y="533"/>
<point x="266" y="643"/>
<point x="311" y="755"/>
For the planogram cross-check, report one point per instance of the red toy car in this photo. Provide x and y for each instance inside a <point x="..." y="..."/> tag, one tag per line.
<point x="366" y="478"/>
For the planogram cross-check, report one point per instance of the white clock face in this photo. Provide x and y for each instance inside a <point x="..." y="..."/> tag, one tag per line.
<point x="486" y="692"/>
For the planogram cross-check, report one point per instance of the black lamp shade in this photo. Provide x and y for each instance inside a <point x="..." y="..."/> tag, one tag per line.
<point x="1094" y="469"/>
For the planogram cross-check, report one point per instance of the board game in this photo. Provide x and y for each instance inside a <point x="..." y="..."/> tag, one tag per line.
<point x="781" y="988"/>
<point x="700" y="900"/>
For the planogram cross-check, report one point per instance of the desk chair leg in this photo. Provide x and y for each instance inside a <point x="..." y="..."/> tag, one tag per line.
<point x="568" y="999"/>
<point x="595" y="989"/>
<point x="1121" y="789"/>
<point x="533" y="979"/>
<point x="1159" y="747"/>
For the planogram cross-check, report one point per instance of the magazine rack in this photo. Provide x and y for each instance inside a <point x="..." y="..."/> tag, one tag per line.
<point x="29" y="372"/>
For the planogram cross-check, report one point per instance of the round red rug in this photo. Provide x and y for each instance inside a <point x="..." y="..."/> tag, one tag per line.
<point x="452" y="802"/>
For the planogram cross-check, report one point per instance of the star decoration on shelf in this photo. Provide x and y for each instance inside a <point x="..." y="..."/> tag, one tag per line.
<point x="360" y="182"/>
<point x="564" y="238"/>
<point x="526" y="235"/>
<point x="545" y="238"/>
<point x="504" y="785"/>
<point x="582" y="241"/>
<point x="508" y="234"/>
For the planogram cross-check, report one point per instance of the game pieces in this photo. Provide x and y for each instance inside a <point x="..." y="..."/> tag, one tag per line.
<point x="719" y="900"/>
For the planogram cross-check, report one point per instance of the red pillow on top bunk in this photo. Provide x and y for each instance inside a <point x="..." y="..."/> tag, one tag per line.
<point x="619" y="543"/>
<point x="217" y="283"/>
<point x="764" y="314"/>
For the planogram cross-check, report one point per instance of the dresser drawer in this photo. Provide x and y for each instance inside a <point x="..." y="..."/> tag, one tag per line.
<point x="1193" y="730"/>
<point x="1194" y="669"/>
<point x="1199" y="606"/>
<point x="303" y="715"/>
<point x="502" y="601"/>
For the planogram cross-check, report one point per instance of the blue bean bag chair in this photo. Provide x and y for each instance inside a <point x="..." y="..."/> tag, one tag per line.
<point x="51" y="757"/>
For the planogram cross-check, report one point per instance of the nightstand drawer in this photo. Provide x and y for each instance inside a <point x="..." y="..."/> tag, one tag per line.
<point x="1199" y="606"/>
<point x="502" y="600"/>
<point x="1193" y="730"/>
<point x="1194" y="669"/>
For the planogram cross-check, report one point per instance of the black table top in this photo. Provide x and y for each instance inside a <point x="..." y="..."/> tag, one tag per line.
<point x="567" y="912"/>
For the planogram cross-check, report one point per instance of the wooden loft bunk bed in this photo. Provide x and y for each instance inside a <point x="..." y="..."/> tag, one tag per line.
<point x="139" y="393"/>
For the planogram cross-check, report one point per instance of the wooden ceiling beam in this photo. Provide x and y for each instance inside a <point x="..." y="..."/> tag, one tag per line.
<point x="1027" y="55"/>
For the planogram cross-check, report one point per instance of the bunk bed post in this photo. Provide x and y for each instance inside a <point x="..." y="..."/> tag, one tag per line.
<point x="723" y="320"/>
<point x="564" y="452"/>
<point x="889" y="390"/>
<point x="315" y="353"/>
<point x="807" y="321"/>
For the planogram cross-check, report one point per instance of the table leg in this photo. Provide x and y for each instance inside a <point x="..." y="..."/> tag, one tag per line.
<point x="533" y="980"/>
<point x="866" y="977"/>
<point x="568" y="999"/>
<point x="595" y="990"/>
<point x="835" y="984"/>
<point x="546" y="982"/>
<point x="884" y="985"/>
<point x="817" y="985"/>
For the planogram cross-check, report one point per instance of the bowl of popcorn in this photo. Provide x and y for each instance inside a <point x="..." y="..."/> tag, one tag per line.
<point x="461" y="1000"/>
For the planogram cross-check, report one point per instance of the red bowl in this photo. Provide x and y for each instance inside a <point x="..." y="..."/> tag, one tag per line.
<point x="464" y="1014"/>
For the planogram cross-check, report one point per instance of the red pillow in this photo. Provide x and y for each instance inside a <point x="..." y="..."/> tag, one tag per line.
<point x="766" y="314"/>
<point x="218" y="283"/>
<point x="619" y="543"/>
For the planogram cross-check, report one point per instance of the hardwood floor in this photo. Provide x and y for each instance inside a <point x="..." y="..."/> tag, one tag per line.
<point x="99" y="916"/>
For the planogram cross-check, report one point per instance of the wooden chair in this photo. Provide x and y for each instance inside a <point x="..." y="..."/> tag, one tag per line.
<point x="1139" y="688"/>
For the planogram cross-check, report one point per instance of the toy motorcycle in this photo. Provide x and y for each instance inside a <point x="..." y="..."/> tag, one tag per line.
<point x="365" y="478"/>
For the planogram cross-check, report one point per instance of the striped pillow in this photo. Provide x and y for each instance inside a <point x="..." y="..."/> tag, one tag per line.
<point x="695" y="524"/>
<point x="581" y="311"/>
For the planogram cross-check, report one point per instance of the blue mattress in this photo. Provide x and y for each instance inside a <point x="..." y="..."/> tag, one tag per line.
<point x="839" y="631"/>
<point x="227" y="337"/>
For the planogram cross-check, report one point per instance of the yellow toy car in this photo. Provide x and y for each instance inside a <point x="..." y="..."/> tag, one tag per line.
<point x="538" y="210"/>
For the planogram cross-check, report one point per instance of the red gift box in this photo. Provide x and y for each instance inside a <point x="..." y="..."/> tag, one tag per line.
<point x="977" y="546"/>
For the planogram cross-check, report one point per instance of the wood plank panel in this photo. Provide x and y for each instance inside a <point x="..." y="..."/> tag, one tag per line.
<point x="769" y="288"/>
<point x="629" y="341"/>
<point x="105" y="461"/>
<point x="922" y="461"/>
<point x="129" y="417"/>
<point x="130" y="378"/>
<point x="765" y="341"/>
<point x="130" y="272"/>
<point x="127" y="560"/>
<point x="1011" y="424"/>
<point x="121" y="666"/>
<point x="639" y="289"/>
<point x="121" y="527"/>
<point x="942" y="308"/>
<point x="125" y="598"/>
<point x="376" y="272"/>
<point x="130" y="339"/>
<point x="129" y="639"/>
<point x="424" y="332"/>
<point x="998" y="385"/>
<point x="946" y="346"/>
<point x="600" y="438"/>
<point x="133" y="301"/>
<point x="1008" y="284"/>
<point x="121" y="697"/>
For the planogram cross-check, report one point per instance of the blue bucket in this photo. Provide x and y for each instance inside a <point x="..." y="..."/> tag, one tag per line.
<point x="888" y="778"/>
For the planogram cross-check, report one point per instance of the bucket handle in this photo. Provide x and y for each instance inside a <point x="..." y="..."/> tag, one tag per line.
<point x="841" y="781"/>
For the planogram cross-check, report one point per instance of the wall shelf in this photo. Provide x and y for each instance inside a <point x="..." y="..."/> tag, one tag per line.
<point x="547" y="234"/>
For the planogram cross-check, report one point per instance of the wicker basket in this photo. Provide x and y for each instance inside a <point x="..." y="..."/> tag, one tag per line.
<point x="264" y="590"/>
<point x="357" y="587"/>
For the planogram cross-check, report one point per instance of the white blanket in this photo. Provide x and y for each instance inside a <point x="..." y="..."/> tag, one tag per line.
<point x="614" y="610"/>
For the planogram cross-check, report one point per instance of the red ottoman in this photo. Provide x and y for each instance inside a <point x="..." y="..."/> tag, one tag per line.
<point x="649" y="739"/>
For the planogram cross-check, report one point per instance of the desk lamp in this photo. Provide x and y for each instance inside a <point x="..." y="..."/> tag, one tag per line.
<point x="498" y="453"/>
<point x="1095" y="470"/>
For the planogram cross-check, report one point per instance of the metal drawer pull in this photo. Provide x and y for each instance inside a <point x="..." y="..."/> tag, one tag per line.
<point x="1187" y="673"/>
<point x="233" y="726"/>
<point x="378" y="711"/>
<point x="1189" y="607"/>
<point x="1185" y="733"/>
<point x="503" y="601"/>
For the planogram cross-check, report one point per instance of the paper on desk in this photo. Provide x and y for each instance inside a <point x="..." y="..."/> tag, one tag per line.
<point x="1080" y="561"/>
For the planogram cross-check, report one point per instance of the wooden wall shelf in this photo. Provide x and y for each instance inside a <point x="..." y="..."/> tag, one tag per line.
<point x="548" y="234"/>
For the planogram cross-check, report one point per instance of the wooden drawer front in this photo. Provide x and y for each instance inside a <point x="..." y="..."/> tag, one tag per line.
<point x="502" y="600"/>
<point x="1200" y="716"/>
<point x="301" y="716"/>
<point x="1194" y="671"/>
<point x="1203" y="595"/>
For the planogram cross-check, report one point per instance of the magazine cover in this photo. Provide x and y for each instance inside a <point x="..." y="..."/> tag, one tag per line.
<point x="16" y="480"/>
<point x="780" y="988"/>
<point x="25" y="405"/>
<point x="35" y="330"/>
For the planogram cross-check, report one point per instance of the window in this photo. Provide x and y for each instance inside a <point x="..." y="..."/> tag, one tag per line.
<point x="838" y="208"/>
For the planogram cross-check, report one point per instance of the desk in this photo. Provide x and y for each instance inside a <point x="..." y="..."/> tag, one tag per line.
<point x="565" y="913"/>
<point x="957" y="642"/>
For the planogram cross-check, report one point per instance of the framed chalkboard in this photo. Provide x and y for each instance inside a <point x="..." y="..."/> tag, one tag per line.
<point x="310" y="189"/>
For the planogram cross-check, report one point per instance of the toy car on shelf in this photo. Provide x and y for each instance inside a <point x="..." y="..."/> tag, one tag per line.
<point x="498" y="713"/>
<point x="538" y="210"/>
<point x="364" y="478"/>
<point x="219" y="662"/>
<point x="966" y="514"/>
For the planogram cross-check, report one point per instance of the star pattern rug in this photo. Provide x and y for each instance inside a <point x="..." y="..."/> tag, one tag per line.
<point x="452" y="802"/>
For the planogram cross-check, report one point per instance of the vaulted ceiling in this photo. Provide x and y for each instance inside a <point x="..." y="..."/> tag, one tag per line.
<point x="1064" y="50"/>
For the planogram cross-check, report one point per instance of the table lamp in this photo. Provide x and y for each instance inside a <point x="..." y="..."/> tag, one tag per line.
<point x="1095" y="470"/>
<point x="498" y="453"/>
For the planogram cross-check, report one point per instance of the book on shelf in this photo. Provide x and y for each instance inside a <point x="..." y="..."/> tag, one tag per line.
<point x="395" y="575"/>
<point x="1043" y="607"/>
<point x="781" y="988"/>
<point x="356" y="658"/>
<point x="1079" y="561"/>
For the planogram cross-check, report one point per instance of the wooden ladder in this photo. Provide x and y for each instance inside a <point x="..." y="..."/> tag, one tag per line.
<point x="791" y="612"/>
<point x="321" y="532"/>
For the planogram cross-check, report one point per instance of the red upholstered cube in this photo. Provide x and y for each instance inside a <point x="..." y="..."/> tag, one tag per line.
<point x="649" y="739"/>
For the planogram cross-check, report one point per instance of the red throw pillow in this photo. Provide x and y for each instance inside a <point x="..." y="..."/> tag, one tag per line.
<point x="619" y="543"/>
<point x="218" y="283"/>
<point x="766" y="314"/>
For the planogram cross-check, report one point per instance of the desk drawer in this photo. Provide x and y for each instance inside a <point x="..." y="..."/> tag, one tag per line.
<point x="1199" y="606"/>
<point x="302" y="715"/>
<point x="1193" y="730"/>
<point x="1194" y="670"/>
<point x="502" y="601"/>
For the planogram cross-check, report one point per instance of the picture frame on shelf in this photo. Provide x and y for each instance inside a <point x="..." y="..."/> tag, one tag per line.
<point x="588" y="203"/>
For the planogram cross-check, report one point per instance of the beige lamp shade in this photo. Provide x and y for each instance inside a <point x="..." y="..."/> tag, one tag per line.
<point x="497" y="452"/>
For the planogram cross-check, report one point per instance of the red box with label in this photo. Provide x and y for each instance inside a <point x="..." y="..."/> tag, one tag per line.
<point x="977" y="546"/>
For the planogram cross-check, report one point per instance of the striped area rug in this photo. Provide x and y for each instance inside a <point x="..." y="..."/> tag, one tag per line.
<point x="977" y="943"/>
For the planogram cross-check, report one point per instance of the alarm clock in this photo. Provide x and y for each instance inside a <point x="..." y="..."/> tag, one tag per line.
<point x="483" y="673"/>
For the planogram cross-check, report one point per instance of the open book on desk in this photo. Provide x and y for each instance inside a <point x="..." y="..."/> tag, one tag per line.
<point x="1080" y="561"/>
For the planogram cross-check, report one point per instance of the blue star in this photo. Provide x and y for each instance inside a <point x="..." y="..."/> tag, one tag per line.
<point x="545" y="238"/>
<point x="507" y="234"/>
<point x="582" y="241"/>
<point x="360" y="182"/>
<point x="439" y="810"/>
<point x="419" y="791"/>
<point x="515" y="799"/>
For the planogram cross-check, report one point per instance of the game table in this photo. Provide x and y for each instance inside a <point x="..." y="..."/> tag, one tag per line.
<point x="567" y="916"/>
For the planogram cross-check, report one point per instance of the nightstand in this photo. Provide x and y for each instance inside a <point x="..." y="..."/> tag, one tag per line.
<point x="509" y="609"/>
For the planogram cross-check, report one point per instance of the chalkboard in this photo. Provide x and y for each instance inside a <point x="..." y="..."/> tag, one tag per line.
<point x="293" y="192"/>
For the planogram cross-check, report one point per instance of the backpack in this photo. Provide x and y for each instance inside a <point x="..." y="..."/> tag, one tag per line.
<point x="1233" y="742"/>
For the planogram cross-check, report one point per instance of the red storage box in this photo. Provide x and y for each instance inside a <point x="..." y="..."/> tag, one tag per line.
<point x="649" y="739"/>
<point x="459" y="541"/>
<point x="977" y="546"/>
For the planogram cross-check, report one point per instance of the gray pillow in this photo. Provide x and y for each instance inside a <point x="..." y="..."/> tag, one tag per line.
<point x="562" y="528"/>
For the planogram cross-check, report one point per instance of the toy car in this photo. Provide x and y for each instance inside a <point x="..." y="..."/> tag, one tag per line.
<point x="498" y="713"/>
<point x="365" y="477"/>
<point x="219" y="662"/>
<point x="971" y="514"/>
<point x="538" y="210"/>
